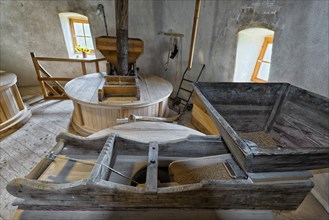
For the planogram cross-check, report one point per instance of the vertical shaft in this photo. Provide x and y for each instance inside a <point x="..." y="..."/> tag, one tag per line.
<point x="121" y="15"/>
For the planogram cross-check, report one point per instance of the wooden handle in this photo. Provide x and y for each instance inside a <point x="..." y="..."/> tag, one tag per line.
<point x="194" y="31"/>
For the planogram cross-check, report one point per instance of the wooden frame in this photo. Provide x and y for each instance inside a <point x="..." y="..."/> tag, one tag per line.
<point x="50" y="86"/>
<point x="254" y="77"/>
<point x="74" y="36"/>
<point x="100" y="190"/>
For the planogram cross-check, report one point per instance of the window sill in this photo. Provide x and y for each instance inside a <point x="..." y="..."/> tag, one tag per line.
<point x="79" y="56"/>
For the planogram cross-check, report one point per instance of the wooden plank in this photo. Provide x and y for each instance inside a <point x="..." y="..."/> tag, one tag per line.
<point x="108" y="196"/>
<point x="9" y="168"/>
<point x="107" y="157"/>
<point x="120" y="90"/>
<point x="193" y="146"/>
<point x="51" y="89"/>
<point x="37" y="71"/>
<point x="83" y="67"/>
<point x="162" y="214"/>
<point x="54" y="79"/>
<point x="63" y="170"/>
<point x="3" y="117"/>
<point x="203" y="120"/>
<point x="18" y="97"/>
<point x="152" y="169"/>
<point x="21" y="152"/>
<point x="277" y="107"/>
<point x="86" y="60"/>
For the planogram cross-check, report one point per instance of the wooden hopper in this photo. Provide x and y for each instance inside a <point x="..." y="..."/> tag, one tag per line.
<point x="107" y="45"/>
<point x="269" y="127"/>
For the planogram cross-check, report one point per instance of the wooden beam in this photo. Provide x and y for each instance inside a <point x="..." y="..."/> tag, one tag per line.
<point x="69" y="60"/>
<point x="194" y="31"/>
<point x="121" y="15"/>
<point x="37" y="70"/>
<point x="51" y="89"/>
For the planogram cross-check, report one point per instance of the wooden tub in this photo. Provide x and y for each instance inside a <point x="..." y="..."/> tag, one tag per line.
<point x="95" y="110"/>
<point x="270" y="127"/>
<point x="13" y="112"/>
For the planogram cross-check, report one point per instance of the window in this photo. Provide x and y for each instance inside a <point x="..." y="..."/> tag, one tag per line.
<point x="76" y="31"/>
<point x="253" y="55"/>
<point x="262" y="67"/>
<point x="81" y="35"/>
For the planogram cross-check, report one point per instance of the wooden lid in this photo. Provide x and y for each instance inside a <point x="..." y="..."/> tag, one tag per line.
<point x="84" y="90"/>
<point x="7" y="79"/>
<point x="146" y="132"/>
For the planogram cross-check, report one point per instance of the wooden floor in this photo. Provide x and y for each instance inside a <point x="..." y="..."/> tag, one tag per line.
<point x="22" y="150"/>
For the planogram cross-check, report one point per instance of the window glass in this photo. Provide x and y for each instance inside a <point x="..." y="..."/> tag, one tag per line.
<point x="89" y="42"/>
<point x="87" y="30"/>
<point x="268" y="53"/>
<point x="81" y="41"/>
<point x="264" y="71"/>
<point x="78" y="29"/>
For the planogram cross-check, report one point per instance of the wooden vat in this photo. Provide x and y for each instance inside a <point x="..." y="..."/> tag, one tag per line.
<point x="291" y="124"/>
<point x="149" y="98"/>
<point x="54" y="183"/>
<point x="13" y="112"/>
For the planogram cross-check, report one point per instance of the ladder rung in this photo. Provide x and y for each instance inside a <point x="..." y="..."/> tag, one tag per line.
<point x="186" y="90"/>
<point x="188" y="80"/>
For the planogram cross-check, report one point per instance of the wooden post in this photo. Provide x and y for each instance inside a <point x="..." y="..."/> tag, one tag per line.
<point x="194" y="31"/>
<point x="121" y="14"/>
<point x="37" y="70"/>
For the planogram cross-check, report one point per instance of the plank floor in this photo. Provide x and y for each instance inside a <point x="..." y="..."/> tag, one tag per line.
<point x="23" y="149"/>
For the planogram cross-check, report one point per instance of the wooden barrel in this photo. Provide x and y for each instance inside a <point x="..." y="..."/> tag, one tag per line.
<point x="13" y="112"/>
<point x="90" y="115"/>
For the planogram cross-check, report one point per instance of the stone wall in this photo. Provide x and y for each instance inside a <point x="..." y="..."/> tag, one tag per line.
<point x="300" y="53"/>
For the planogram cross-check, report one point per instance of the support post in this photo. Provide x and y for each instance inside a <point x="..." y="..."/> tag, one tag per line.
<point x="194" y="31"/>
<point x="121" y="15"/>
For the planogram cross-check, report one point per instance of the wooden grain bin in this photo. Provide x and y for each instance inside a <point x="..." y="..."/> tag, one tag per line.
<point x="270" y="126"/>
<point x="107" y="45"/>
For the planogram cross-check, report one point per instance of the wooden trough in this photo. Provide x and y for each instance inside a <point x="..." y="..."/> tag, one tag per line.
<point x="269" y="126"/>
<point x="101" y="173"/>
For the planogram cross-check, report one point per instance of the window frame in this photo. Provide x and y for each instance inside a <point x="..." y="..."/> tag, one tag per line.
<point x="254" y="77"/>
<point x="74" y="41"/>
